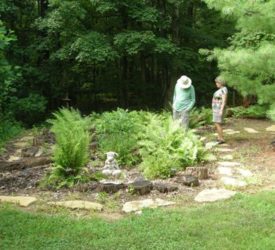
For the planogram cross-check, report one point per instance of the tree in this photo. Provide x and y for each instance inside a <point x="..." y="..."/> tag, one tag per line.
<point x="248" y="63"/>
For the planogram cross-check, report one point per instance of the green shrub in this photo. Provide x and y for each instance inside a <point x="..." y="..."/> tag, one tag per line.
<point x="8" y="129"/>
<point x="200" y="117"/>
<point x="118" y="131"/>
<point x="254" y="111"/>
<point x="71" y="152"/>
<point x="271" y="112"/>
<point x="165" y="147"/>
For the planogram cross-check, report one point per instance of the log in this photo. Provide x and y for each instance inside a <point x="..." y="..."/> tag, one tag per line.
<point x="24" y="163"/>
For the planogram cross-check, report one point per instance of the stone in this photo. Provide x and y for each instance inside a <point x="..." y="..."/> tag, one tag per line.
<point x="211" y="195"/>
<point x="225" y="171"/>
<point x="141" y="187"/>
<point x="29" y="152"/>
<point x="244" y="172"/>
<point x="211" y="144"/>
<point x="134" y="206"/>
<point x="200" y="172"/>
<point x="78" y="204"/>
<point x="271" y="128"/>
<point x="229" y="164"/>
<point x="210" y="157"/>
<point x="110" y="186"/>
<point x="224" y="150"/>
<point x="13" y="158"/>
<point x="23" y="201"/>
<point x="227" y="157"/>
<point x="230" y="181"/>
<point x="189" y="180"/>
<point x="251" y="130"/>
<point x="233" y="133"/>
<point x="165" y="188"/>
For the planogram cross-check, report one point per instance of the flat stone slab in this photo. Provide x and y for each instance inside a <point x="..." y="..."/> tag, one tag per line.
<point x="23" y="201"/>
<point x="134" y="206"/>
<point x="271" y="128"/>
<point x="211" y="195"/>
<point x="14" y="158"/>
<point x="232" y="132"/>
<point x="224" y="150"/>
<point x="230" y="181"/>
<point x="211" y="144"/>
<point x="229" y="164"/>
<point x="225" y="171"/>
<point x="78" y="204"/>
<point x="244" y="172"/>
<point x="251" y="130"/>
<point x="227" y="157"/>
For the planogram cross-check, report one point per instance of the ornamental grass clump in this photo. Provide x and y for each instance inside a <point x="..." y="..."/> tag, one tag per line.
<point x="71" y="152"/>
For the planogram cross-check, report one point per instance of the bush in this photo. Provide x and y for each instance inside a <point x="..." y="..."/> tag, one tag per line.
<point x="118" y="131"/>
<point x="165" y="147"/>
<point x="71" y="152"/>
<point x="254" y="111"/>
<point x="271" y="112"/>
<point x="30" y="109"/>
<point x="8" y="129"/>
<point x="200" y="117"/>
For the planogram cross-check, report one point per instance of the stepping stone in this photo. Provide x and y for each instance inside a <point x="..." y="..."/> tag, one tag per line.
<point x="211" y="144"/>
<point x="21" y="144"/>
<point x="229" y="181"/>
<point x="13" y="158"/>
<point x="203" y="138"/>
<point x="225" y="171"/>
<point x="251" y="130"/>
<point x="229" y="164"/>
<point x="211" y="195"/>
<point x="224" y="150"/>
<point x="78" y="204"/>
<point x="244" y="172"/>
<point x="210" y="157"/>
<point x="227" y="157"/>
<point x="134" y="206"/>
<point x="23" y="201"/>
<point x="223" y="145"/>
<point x="271" y="128"/>
<point x="232" y="132"/>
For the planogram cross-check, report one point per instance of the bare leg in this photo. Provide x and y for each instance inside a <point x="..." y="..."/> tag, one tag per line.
<point x="220" y="131"/>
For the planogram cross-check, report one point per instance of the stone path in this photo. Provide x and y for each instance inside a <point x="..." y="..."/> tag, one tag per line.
<point x="23" y="201"/>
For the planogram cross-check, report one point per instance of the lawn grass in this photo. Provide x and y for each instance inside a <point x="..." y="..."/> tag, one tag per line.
<point x="244" y="222"/>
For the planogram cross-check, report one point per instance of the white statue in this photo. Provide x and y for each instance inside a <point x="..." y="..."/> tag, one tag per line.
<point x="111" y="166"/>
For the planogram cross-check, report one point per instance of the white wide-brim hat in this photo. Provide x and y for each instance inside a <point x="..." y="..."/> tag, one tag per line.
<point x="184" y="81"/>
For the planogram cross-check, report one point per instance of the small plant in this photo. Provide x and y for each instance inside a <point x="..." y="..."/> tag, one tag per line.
<point x="71" y="152"/>
<point x="254" y="111"/>
<point x="200" y="117"/>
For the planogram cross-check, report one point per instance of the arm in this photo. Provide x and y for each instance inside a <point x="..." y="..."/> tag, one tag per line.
<point x="193" y="99"/>
<point x="224" y="99"/>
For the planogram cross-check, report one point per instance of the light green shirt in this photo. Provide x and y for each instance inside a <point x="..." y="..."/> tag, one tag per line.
<point x="184" y="99"/>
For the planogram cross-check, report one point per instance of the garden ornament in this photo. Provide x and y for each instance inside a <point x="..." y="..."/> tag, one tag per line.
<point x="111" y="166"/>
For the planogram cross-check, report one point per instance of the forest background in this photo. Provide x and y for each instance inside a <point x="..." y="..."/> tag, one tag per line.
<point x="97" y="55"/>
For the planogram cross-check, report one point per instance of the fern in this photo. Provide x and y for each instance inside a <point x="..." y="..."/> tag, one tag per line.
<point x="71" y="151"/>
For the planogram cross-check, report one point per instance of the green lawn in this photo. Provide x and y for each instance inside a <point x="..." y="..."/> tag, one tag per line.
<point x="245" y="222"/>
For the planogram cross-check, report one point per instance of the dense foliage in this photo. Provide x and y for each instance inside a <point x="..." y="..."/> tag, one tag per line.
<point x="248" y="63"/>
<point x="153" y="141"/>
<point x="104" y="54"/>
<point x="71" y="153"/>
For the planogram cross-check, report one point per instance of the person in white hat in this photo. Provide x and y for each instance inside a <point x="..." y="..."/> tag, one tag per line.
<point x="184" y="100"/>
